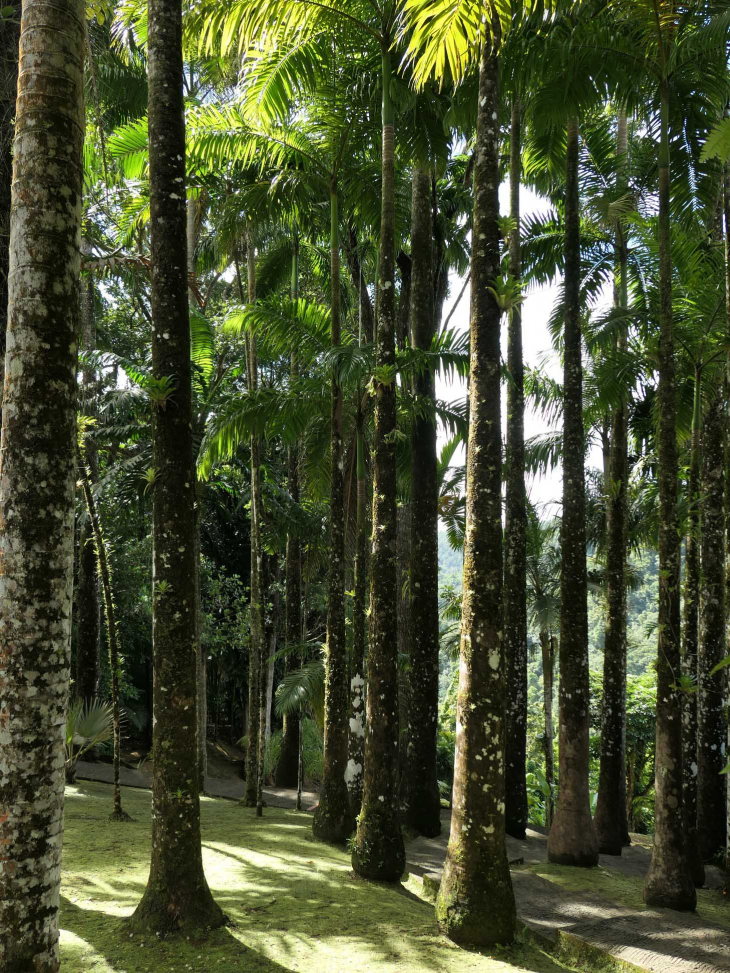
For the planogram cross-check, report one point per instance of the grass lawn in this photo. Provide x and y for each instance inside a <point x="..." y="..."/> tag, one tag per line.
<point x="293" y="903"/>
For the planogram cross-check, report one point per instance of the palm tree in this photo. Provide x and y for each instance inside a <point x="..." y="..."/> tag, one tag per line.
<point x="610" y="816"/>
<point x="112" y="632"/>
<point x="177" y="894"/>
<point x="711" y="722"/>
<point x="572" y="840"/>
<point x="543" y="596"/>
<point x="515" y="605"/>
<point x="10" y="20"/>
<point x="422" y="797"/>
<point x="37" y="492"/>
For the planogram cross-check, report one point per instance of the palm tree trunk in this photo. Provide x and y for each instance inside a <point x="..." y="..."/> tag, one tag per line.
<point x="112" y="632"/>
<point x="690" y="643"/>
<point x="515" y="568"/>
<point x="333" y="819"/>
<point x="38" y="478"/>
<point x="610" y="817"/>
<point x="475" y="904"/>
<point x="177" y="894"/>
<point x="286" y="769"/>
<point x="572" y="839"/>
<point x="356" y="740"/>
<point x="669" y="882"/>
<point x="422" y="799"/>
<point x="547" y="645"/>
<point x="8" y="91"/>
<point x="711" y="723"/>
<point x="378" y="851"/>
<point x="87" y="591"/>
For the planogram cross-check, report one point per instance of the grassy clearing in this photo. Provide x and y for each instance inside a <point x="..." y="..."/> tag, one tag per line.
<point x="293" y="903"/>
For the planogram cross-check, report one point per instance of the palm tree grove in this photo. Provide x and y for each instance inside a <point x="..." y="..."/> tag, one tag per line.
<point x="365" y="486"/>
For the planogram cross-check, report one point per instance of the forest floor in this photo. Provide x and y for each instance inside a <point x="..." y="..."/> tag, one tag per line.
<point x="293" y="903"/>
<point x="586" y="918"/>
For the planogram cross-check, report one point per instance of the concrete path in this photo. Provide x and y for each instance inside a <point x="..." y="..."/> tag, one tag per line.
<point x="656" y="940"/>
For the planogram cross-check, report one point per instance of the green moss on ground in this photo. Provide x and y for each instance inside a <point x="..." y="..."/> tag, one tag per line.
<point x="293" y="903"/>
<point x="627" y="890"/>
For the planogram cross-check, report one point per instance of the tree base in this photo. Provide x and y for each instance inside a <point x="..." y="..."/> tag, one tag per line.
<point x="479" y="913"/>
<point x="120" y="815"/>
<point x="333" y="821"/>
<point x="665" y="891"/>
<point x="572" y="840"/>
<point x="515" y="829"/>
<point x="379" y="853"/>
<point x="162" y="911"/>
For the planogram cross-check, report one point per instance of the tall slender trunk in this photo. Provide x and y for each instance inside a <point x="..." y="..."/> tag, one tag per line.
<point x="254" y="770"/>
<point x="711" y="696"/>
<point x="286" y="769"/>
<point x="610" y="817"/>
<point x="669" y="881"/>
<point x="572" y="839"/>
<point x="378" y="851"/>
<point x="404" y="520"/>
<point x="87" y="590"/>
<point x="515" y="569"/>
<point x="8" y="91"/>
<point x="475" y="904"/>
<point x="192" y="226"/>
<point x="333" y="819"/>
<point x="112" y="632"/>
<point x="421" y="791"/>
<point x="690" y="643"/>
<point x="547" y="646"/>
<point x="177" y="894"/>
<point x="726" y="228"/>
<point x="37" y="478"/>
<point x="356" y="740"/>
<point x="264" y="662"/>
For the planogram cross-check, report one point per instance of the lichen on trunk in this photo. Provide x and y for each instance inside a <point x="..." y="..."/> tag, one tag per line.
<point x="669" y="881"/>
<point x="712" y="688"/>
<point x="475" y="904"/>
<point x="177" y="896"/>
<point x="515" y="551"/>
<point x="572" y="840"/>
<point x="37" y="477"/>
<point x="378" y="851"/>
<point x="422" y="800"/>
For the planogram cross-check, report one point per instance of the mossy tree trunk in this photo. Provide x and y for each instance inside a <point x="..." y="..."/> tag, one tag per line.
<point x="610" y="817"/>
<point x="177" y="896"/>
<point x="8" y="90"/>
<point x="87" y="588"/>
<point x="333" y="820"/>
<point x="378" y="851"/>
<point x="711" y="721"/>
<point x="475" y="904"/>
<point x="547" y="648"/>
<point x="257" y="641"/>
<point x="572" y="839"/>
<point x="356" y="738"/>
<point x="287" y="767"/>
<point x="515" y="551"/>
<point x="37" y="478"/>
<point x="112" y="632"/>
<point x="669" y="881"/>
<point x="690" y="641"/>
<point x="422" y="800"/>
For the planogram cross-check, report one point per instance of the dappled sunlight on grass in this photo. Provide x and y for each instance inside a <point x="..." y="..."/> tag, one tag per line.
<point x="293" y="903"/>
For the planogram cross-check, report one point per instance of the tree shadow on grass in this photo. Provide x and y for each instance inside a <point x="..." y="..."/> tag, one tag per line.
<point x="92" y="941"/>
